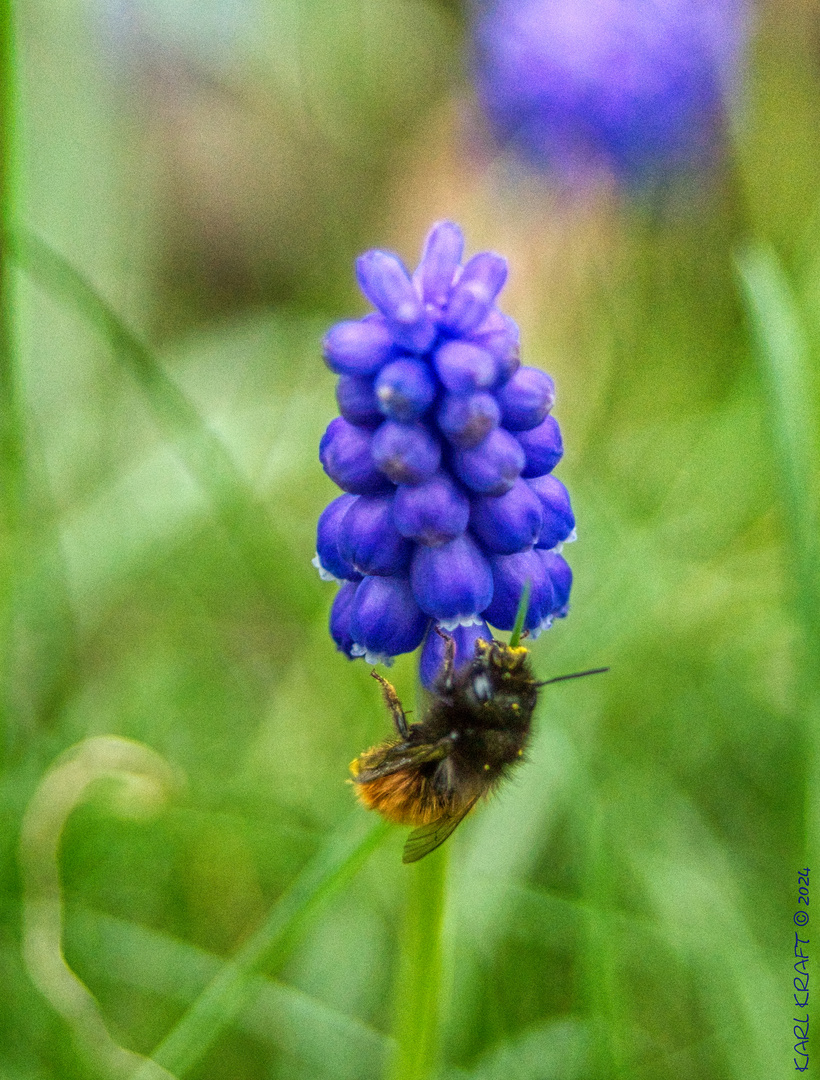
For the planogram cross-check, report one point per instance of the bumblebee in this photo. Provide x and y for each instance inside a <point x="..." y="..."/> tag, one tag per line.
<point x="474" y="731"/>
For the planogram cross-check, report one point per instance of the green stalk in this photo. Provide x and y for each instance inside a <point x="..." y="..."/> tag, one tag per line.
<point x="417" y="1005"/>
<point x="336" y="863"/>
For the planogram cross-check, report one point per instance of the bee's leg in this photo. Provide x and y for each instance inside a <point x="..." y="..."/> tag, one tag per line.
<point x="391" y="700"/>
<point x="449" y="667"/>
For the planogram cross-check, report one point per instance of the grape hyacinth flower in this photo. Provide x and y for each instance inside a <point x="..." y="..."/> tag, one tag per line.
<point x="444" y="450"/>
<point x="632" y="88"/>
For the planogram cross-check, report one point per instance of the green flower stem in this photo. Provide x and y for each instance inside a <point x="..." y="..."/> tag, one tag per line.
<point x="336" y="863"/>
<point x="791" y="391"/>
<point x="417" y="1005"/>
<point x="234" y="505"/>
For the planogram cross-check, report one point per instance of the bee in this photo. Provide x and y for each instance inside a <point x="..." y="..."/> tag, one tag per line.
<point x="475" y="729"/>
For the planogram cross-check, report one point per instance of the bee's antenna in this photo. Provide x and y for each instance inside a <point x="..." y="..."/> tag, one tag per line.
<point x="574" y="675"/>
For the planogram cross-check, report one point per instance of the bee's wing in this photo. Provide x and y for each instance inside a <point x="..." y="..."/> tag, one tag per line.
<point x="422" y="841"/>
<point x="402" y="755"/>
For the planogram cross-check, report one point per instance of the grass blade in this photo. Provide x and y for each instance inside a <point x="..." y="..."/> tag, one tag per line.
<point x="790" y="382"/>
<point x="791" y="394"/>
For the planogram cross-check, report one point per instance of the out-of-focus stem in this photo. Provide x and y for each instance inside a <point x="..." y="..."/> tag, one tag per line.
<point x="11" y="435"/>
<point x="215" y="1009"/>
<point x="234" y="504"/>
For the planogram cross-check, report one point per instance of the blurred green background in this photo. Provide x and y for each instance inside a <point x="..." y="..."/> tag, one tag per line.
<point x="206" y="173"/>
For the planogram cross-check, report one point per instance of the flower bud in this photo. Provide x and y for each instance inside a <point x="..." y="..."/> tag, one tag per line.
<point x="559" y="520"/>
<point x="543" y="448"/>
<point x="358" y="347"/>
<point x="405" y="389"/>
<point x="432" y="513"/>
<point x="498" y="334"/>
<point x="386" y="283"/>
<point x="464" y="367"/>
<point x="407" y="453"/>
<point x="340" y="618"/>
<point x="329" y="561"/>
<point x="357" y="400"/>
<point x="482" y="279"/>
<point x="451" y="582"/>
<point x="345" y="454"/>
<point x="492" y="467"/>
<point x="439" y="263"/>
<point x="370" y="542"/>
<point x="510" y="575"/>
<point x="507" y="523"/>
<point x="468" y="420"/>
<point x="525" y="399"/>
<point x="561" y="578"/>
<point x="432" y="653"/>
<point x="385" y="619"/>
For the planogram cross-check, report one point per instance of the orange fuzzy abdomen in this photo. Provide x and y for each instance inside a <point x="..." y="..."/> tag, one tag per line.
<point x="406" y="798"/>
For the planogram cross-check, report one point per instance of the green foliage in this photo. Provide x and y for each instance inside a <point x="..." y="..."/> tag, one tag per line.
<point x="623" y="909"/>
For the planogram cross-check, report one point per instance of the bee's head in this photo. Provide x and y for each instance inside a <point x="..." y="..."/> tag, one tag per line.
<point x="500" y="657"/>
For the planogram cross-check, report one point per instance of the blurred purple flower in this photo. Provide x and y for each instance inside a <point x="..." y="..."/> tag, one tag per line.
<point x="637" y="88"/>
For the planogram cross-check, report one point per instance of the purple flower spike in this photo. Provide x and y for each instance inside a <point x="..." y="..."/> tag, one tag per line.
<point x="432" y="513"/>
<point x="340" y="618"/>
<point x="510" y="574"/>
<point x="385" y="282"/>
<point x="482" y="279"/>
<point x="439" y="263"/>
<point x="452" y="582"/>
<point x="559" y="520"/>
<point x="357" y="400"/>
<point x="358" y="348"/>
<point x="543" y="448"/>
<point x="444" y="445"/>
<point x="345" y="454"/>
<point x="467" y="421"/>
<point x="526" y="399"/>
<point x="385" y="619"/>
<point x="465" y="368"/>
<point x="329" y="562"/>
<point x="369" y="541"/>
<point x="432" y="653"/>
<point x="407" y="453"/>
<point x="507" y="523"/>
<point x="561" y="577"/>
<point x="405" y="389"/>
<point x="492" y="467"/>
